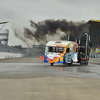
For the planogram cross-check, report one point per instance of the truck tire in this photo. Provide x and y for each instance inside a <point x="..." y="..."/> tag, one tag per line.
<point x="86" y="63"/>
<point x="51" y="64"/>
<point x="80" y="63"/>
<point x="70" y="64"/>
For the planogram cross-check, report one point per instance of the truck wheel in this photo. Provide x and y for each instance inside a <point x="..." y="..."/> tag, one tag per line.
<point x="80" y="63"/>
<point x="70" y="64"/>
<point x="51" y="64"/>
<point x="86" y="63"/>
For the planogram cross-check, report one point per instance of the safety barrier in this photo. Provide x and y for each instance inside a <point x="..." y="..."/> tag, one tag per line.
<point x="5" y="55"/>
<point x="94" y="60"/>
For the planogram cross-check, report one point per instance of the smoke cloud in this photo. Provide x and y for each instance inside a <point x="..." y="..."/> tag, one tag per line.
<point x="50" y="27"/>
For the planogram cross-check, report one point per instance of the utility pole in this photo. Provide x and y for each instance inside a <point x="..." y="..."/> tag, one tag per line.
<point x="68" y="35"/>
<point x="86" y="41"/>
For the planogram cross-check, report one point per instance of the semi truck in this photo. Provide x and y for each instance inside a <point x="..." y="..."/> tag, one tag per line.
<point x="74" y="50"/>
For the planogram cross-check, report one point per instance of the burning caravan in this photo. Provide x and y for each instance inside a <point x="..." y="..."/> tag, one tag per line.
<point x="60" y="52"/>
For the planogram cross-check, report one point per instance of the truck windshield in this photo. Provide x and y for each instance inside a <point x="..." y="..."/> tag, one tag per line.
<point x="56" y="49"/>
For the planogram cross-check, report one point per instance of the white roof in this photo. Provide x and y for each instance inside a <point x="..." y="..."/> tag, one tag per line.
<point x="58" y="43"/>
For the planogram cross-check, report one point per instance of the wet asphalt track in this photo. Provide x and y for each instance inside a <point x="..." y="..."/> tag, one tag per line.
<point x="35" y="70"/>
<point x="30" y="79"/>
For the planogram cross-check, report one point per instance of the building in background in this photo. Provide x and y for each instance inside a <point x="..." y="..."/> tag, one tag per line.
<point x="94" y="32"/>
<point x="4" y="34"/>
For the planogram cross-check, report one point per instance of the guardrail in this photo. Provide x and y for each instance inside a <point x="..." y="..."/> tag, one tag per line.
<point x="5" y="55"/>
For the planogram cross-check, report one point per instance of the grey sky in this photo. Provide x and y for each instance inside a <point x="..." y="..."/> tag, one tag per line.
<point x="19" y="12"/>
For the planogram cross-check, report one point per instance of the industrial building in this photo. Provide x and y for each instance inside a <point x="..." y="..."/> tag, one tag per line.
<point x="94" y="32"/>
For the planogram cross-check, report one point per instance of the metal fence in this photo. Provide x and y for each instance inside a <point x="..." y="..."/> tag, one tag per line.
<point x="5" y="48"/>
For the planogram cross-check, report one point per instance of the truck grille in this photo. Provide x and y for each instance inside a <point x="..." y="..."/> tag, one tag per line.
<point x="69" y="58"/>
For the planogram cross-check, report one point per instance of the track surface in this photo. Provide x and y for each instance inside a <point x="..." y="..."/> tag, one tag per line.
<point x="30" y="79"/>
<point x="32" y="70"/>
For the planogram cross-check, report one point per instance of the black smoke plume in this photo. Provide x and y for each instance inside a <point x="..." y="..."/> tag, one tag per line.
<point x="39" y="31"/>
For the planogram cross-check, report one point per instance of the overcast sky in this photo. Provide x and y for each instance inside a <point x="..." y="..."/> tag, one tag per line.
<point x="20" y="12"/>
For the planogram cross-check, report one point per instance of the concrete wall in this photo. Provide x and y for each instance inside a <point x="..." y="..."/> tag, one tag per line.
<point x="5" y="55"/>
<point x="94" y="60"/>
